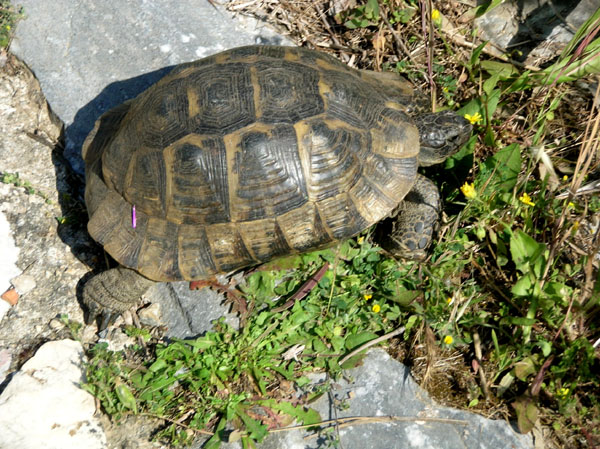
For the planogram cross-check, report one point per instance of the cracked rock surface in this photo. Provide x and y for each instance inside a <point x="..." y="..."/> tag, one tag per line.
<point x="47" y="270"/>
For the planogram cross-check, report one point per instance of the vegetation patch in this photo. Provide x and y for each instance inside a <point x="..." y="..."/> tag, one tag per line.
<point x="9" y="15"/>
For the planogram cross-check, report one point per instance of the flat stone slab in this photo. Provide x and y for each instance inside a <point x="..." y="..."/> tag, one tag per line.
<point x="534" y="31"/>
<point x="43" y="406"/>
<point x="90" y="56"/>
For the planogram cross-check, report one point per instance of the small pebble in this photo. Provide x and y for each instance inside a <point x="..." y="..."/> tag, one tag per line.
<point x="151" y="315"/>
<point x="11" y="296"/>
<point x="23" y="283"/>
<point x="56" y="324"/>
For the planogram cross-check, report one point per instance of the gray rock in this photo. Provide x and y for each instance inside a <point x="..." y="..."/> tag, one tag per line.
<point x="383" y="387"/>
<point x="31" y="205"/>
<point x="188" y="313"/>
<point x="538" y="29"/>
<point x="43" y="405"/>
<point x="90" y="56"/>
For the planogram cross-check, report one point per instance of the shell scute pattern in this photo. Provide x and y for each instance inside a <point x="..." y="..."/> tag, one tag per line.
<point x="197" y="166"/>
<point x="335" y="155"/>
<point x="287" y="91"/>
<point x="266" y="176"/>
<point x="219" y="98"/>
<point x="244" y="156"/>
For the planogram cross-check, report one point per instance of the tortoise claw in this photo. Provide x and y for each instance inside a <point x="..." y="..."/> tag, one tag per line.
<point x="93" y="310"/>
<point x="106" y="319"/>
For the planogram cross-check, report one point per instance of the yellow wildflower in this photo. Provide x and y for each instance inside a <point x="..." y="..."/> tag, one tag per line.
<point x="449" y="300"/>
<point x="526" y="199"/>
<point x="436" y="16"/>
<point x="448" y="339"/>
<point x="360" y="240"/>
<point x="8" y="27"/>
<point x="474" y="119"/>
<point x="565" y="178"/>
<point x="571" y="205"/>
<point x="468" y="190"/>
<point x="376" y="308"/>
<point x="575" y="226"/>
<point x="367" y="297"/>
<point x="562" y="392"/>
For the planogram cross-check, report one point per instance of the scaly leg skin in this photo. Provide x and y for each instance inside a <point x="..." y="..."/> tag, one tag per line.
<point x="408" y="232"/>
<point x="110" y="293"/>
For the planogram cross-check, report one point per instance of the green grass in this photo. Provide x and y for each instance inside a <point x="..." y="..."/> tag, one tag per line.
<point x="9" y="15"/>
<point x="510" y="279"/>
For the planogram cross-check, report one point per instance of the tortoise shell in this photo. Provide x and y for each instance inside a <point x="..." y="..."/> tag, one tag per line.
<point x="250" y="154"/>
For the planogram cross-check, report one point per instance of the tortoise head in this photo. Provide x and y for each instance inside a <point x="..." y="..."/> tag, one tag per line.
<point x="441" y="135"/>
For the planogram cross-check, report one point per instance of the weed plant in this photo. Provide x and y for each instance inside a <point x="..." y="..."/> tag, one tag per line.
<point x="9" y="15"/>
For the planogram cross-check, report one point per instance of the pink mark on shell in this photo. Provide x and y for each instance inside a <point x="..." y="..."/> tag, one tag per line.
<point x="133" y="217"/>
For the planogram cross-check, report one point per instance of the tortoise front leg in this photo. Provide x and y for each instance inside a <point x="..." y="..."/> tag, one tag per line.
<point x="112" y="292"/>
<point x="409" y="230"/>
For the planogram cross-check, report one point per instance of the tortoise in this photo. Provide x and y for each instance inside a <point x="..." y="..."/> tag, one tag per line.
<point x="255" y="153"/>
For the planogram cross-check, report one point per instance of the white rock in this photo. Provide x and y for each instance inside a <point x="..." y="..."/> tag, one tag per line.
<point x="23" y="283"/>
<point x="10" y="254"/>
<point x="4" y="308"/>
<point x="151" y="315"/>
<point x="43" y="407"/>
<point x="5" y="361"/>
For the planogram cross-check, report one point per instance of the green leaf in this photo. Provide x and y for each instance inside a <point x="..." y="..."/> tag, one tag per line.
<point x="126" y="397"/>
<point x="215" y="440"/>
<point x="302" y="414"/>
<point x="524" y="286"/>
<point x="355" y="340"/>
<point x="527" y="413"/>
<point x="159" y="365"/>
<point x="506" y="165"/>
<point x="545" y="346"/>
<point x="505" y="383"/>
<point x="258" y="431"/>
<point x="504" y="70"/>
<point x="476" y="53"/>
<point x="201" y="343"/>
<point x="372" y="9"/>
<point x="523" y="82"/>
<point x="490" y="84"/>
<point x="410" y="323"/>
<point x="557" y="290"/>
<point x="524" y="250"/>
<point x="525" y="368"/>
<point x="337" y="343"/>
<point x="405" y="297"/>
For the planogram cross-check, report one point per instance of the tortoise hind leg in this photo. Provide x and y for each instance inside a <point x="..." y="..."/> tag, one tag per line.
<point x="112" y="292"/>
<point x="408" y="232"/>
